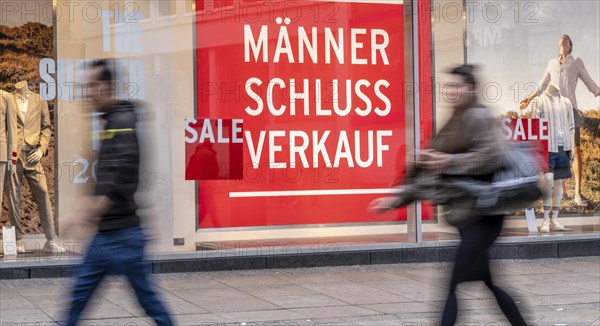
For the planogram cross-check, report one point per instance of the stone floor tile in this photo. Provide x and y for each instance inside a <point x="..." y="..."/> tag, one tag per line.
<point x="411" y="290"/>
<point x="304" y="301"/>
<point x="475" y="290"/>
<point x="332" y="312"/>
<point x="200" y="319"/>
<point x="477" y="304"/>
<point x="312" y="278"/>
<point x="234" y="305"/>
<point x="406" y="307"/>
<point x="554" y="290"/>
<point x="277" y="290"/>
<point x="223" y="292"/>
<point x="187" y="283"/>
<point x="374" y="320"/>
<point x="354" y="293"/>
<point x="361" y="277"/>
<point x="20" y="316"/>
<point x="524" y="269"/>
<point x="98" y="308"/>
<point x="35" y="290"/>
<point x="252" y="281"/>
<point x="262" y="315"/>
<point x="116" y="322"/>
<point x="564" y="299"/>
<point x="16" y="301"/>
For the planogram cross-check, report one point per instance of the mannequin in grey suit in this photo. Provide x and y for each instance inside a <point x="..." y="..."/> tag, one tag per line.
<point x="8" y="137"/>
<point x="34" y="131"/>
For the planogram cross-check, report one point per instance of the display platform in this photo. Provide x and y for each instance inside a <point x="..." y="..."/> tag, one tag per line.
<point x="315" y="252"/>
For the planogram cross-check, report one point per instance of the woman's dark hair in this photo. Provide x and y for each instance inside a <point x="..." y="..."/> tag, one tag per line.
<point x="105" y="75"/>
<point x="467" y="72"/>
<point x="565" y="36"/>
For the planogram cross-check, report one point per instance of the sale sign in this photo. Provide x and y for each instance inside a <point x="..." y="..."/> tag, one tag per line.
<point x="300" y="112"/>
<point x="530" y="130"/>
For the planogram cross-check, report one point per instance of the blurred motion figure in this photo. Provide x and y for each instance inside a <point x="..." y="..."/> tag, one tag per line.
<point x="118" y="246"/>
<point x="467" y="147"/>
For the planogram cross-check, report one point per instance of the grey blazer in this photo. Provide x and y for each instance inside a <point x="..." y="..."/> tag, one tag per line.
<point x="35" y="128"/>
<point x="8" y="127"/>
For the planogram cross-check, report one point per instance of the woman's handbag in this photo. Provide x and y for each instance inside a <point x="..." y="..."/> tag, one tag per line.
<point x="514" y="186"/>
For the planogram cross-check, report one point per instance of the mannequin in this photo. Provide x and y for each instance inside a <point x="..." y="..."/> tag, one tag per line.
<point x="33" y="133"/>
<point x="561" y="129"/>
<point x="8" y="135"/>
<point x="565" y="71"/>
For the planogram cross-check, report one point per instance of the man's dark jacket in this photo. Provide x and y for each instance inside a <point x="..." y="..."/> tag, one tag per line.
<point x="118" y="167"/>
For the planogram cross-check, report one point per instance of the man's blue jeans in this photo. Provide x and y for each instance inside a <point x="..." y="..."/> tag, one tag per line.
<point x="119" y="252"/>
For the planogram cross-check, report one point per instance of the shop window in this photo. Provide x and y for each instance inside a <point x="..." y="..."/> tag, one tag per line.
<point x="166" y="8"/>
<point x="143" y="8"/>
<point x="214" y="5"/>
<point x="514" y="45"/>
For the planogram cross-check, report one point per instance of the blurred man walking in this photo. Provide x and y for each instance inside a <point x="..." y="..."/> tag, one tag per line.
<point x="118" y="246"/>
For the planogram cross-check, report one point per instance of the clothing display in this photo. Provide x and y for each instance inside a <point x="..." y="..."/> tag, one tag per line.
<point x="22" y="104"/>
<point x="33" y="133"/>
<point x="558" y="110"/>
<point x="565" y="76"/>
<point x="559" y="164"/>
<point x="34" y="128"/>
<point x="8" y="127"/>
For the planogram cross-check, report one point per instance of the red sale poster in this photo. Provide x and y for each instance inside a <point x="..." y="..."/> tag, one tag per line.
<point x="300" y="112"/>
<point x="529" y="130"/>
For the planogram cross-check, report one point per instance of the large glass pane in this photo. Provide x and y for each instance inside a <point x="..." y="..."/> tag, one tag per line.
<point x="167" y="8"/>
<point x="517" y="44"/>
<point x="153" y="59"/>
<point x="447" y="50"/>
<point x="318" y="88"/>
<point x="26" y="45"/>
<point x="176" y="70"/>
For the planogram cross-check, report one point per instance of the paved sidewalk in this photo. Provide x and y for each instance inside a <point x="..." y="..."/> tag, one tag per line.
<point x="549" y="291"/>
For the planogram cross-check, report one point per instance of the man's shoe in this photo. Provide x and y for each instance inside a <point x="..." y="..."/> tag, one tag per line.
<point x="21" y="249"/>
<point x="555" y="225"/>
<point x="545" y="227"/>
<point x="580" y="200"/>
<point x="53" y="247"/>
